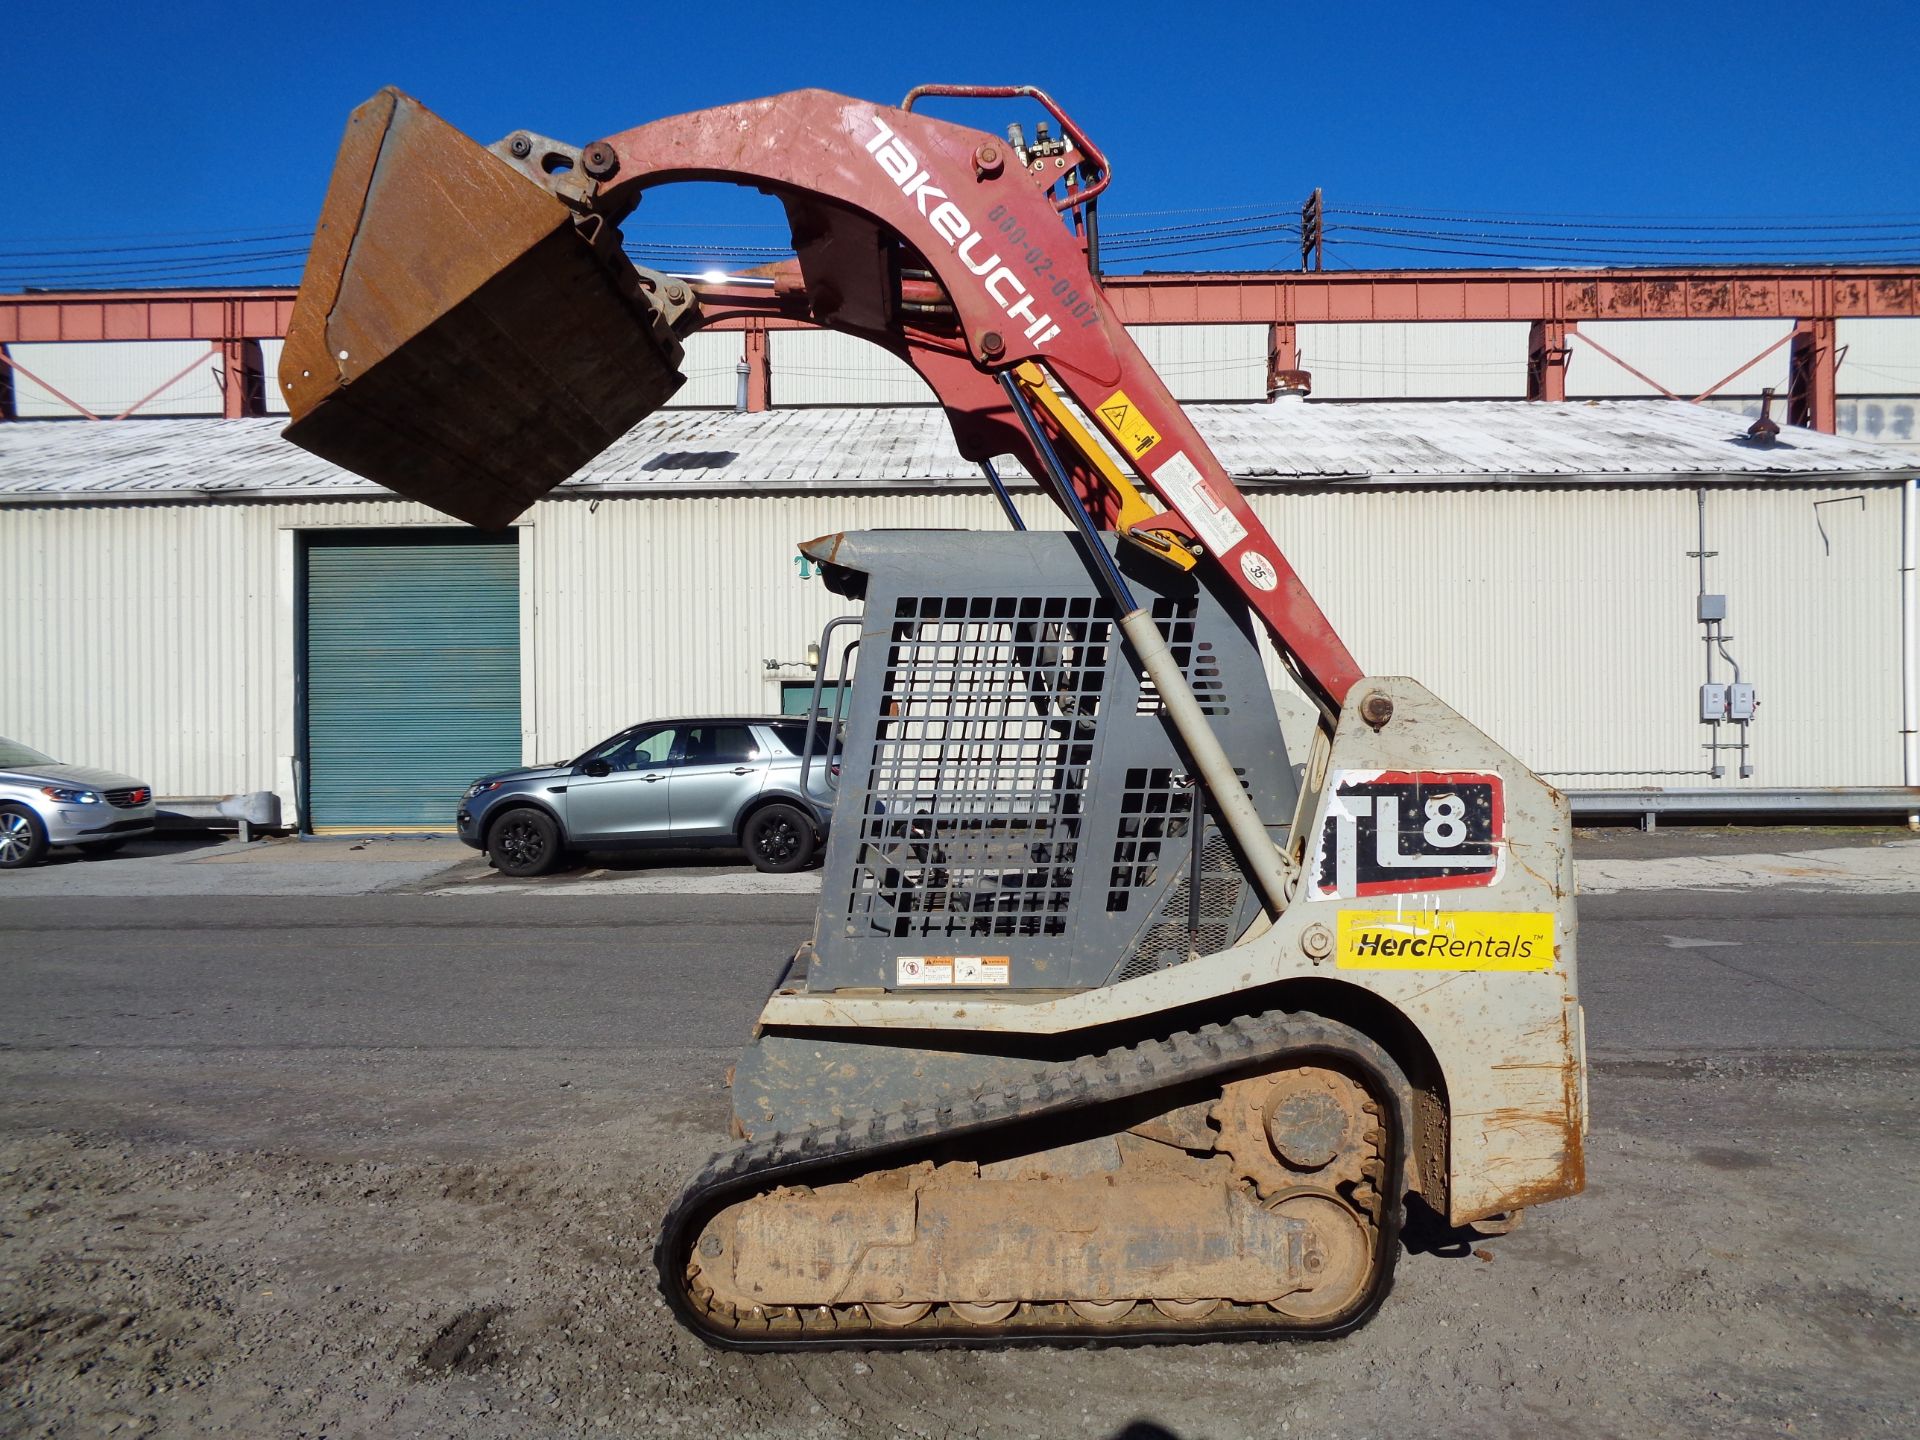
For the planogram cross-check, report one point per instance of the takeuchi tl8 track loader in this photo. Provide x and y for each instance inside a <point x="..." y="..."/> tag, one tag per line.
<point x="1114" y="1025"/>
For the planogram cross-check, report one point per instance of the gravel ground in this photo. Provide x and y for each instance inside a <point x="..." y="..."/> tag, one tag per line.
<point x="231" y="1204"/>
<point x="183" y="1278"/>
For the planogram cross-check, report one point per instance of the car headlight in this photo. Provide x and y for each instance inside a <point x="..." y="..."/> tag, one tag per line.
<point x="69" y="797"/>
<point x="481" y="787"/>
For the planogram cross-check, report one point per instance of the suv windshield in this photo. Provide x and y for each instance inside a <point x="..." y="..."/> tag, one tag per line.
<point x="12" y="752"/>
<point x="646" y="747"/>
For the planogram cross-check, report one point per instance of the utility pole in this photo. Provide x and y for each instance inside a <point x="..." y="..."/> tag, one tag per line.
<point x="1312" y="236"/>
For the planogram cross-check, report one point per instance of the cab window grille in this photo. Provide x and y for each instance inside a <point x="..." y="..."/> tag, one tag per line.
<point x="987" y="721"/>
<point x="1152" y="811"/>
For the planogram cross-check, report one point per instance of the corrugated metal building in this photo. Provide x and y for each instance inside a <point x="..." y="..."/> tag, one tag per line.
<point x="1529" y="562"/>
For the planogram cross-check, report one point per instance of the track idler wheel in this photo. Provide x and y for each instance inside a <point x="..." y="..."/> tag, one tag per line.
<point x="1338" y="1259"/>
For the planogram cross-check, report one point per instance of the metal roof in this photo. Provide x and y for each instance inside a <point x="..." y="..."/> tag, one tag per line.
<point x="893" y="447"/>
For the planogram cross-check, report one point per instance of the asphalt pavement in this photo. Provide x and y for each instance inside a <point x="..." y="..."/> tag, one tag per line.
<point x="1662" y="972"/>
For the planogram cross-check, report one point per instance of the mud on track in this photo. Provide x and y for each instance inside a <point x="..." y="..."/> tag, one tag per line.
<point x="384" y="1243"/>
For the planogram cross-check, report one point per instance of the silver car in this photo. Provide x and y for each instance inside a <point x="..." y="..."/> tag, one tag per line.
<point x="45" y="803"/>
<point x="730" y="780"/>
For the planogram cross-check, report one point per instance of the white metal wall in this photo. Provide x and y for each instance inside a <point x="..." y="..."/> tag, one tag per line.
<point x="824" y="367"/>
<point x="1198" y="362"/>
<point x="1207" y="362"/>
<point x="108" y="376"/>
<point x="1878" y="356"/>
<point x="1880" y="359"/>
<point x="168" y="651"/>
<point x="1427" y="360"/>
<point x="1559" y="621"/>
<point x="1685" y="356"/>
<point x="1879" y="380"/>
<point x="270" y="367"/>
<point x="711" y="366"/>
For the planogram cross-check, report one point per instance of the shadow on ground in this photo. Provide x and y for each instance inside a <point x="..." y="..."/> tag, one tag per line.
<point x="159" y="847"/>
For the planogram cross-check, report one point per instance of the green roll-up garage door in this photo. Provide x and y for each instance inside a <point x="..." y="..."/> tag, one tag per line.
<point x="412" y="673"/>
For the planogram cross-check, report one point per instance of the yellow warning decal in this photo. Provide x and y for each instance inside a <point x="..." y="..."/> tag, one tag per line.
<point x="1127" y="425"/>
<point x="1450" y="940"/>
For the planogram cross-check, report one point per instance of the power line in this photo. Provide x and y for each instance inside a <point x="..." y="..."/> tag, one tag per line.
<point x="1594" y="260"/>
<point x="289" y="260"/>
<point x="1907" y="215"/>
<point x="1600" y="224"/>
<point x="6" y="254"/>
<point x="1110" y="236"/>
<point x="1585" y="243"/>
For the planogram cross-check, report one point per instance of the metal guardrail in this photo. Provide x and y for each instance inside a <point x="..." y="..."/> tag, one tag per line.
<point x="1836" y="802"/>
<point x="255" y="808"/>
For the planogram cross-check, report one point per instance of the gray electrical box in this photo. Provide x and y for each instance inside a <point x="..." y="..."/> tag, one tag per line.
<point x="1740" y="702"/>
<point x="1713" y="702"/>
<point x="1713" y="607"/>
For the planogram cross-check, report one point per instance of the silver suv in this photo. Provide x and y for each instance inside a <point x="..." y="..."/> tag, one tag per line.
<point x="44" y="803"/>
<point x="723" y="781"/>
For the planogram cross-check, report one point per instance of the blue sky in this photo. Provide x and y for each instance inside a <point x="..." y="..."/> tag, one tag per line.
<point x="217" y="120"/>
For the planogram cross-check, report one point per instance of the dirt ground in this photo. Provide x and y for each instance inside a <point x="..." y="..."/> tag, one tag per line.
<point x="308" y="1276"/>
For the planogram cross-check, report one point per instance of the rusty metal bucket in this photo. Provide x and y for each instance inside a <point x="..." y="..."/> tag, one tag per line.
<point x="459" y="338"/>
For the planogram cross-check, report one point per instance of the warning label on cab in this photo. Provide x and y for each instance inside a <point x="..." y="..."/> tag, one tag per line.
<point x="952" y="970"/>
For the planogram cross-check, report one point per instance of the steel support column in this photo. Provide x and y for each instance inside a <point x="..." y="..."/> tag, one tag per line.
<point x="1812" y="379"/>
<point x="242" y="379"/>
<point x="1547" y="353"/>
<point x="758" y="353"/>
<point x="1283" y="360"/>
<point x="9" y="407"/>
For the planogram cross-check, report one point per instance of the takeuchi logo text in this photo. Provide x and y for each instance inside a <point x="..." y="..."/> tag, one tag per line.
<point x="951" y="224"/>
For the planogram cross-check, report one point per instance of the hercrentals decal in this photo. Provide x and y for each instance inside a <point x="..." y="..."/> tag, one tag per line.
<point x="1453" y="940"/>
<point x="951" y="224"/>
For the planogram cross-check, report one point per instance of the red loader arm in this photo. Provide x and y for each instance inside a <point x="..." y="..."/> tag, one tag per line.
<point x="470" y="339"/>
<point x="859" y="180"/>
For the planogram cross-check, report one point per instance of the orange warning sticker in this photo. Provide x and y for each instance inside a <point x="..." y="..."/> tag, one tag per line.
<point x="1129" y="428"/>
<point x="952" y="970"/>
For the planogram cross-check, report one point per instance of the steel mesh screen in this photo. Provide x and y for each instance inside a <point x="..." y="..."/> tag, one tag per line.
<point x="973" y="823"/>
<point x="1166" y="943"/>
<point x="1153" y="810"/>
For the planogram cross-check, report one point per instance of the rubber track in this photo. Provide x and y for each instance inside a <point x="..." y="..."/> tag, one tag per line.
<point x="1220" y="1051"/>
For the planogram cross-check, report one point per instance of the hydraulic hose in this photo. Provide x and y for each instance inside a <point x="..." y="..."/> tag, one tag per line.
<point x="1209" y="758"/>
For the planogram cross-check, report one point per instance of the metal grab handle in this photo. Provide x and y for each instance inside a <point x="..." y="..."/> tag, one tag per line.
<point x="1007" y="92"/>
<point x="813" y="704"/>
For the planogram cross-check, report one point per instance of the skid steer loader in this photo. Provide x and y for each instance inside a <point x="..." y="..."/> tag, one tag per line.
<point x="1113" y="1026"/>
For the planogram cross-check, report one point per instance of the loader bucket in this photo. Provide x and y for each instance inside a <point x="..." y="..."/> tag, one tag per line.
<point x="457" y="337"/>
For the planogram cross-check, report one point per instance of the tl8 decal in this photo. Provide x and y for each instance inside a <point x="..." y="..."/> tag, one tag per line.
<point x="1395" y="832"/>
